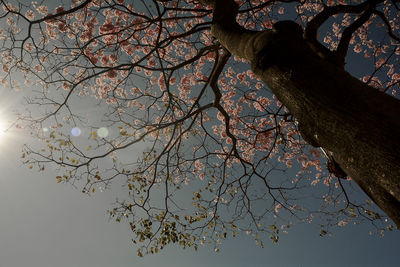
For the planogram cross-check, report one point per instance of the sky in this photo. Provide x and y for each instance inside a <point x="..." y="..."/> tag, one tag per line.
<point x="46" y="224"/>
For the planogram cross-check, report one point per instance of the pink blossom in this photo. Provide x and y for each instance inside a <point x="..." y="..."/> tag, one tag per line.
<point x="59" y="9"/>
<point x="30" y="14"/>
<point x="198" y="165"/>
<point x="42" y="10"/>
<point x="277" y="207"/>
<point x="314" y="182"/>
<point x="38" y="68"/>
<point x="5" y="69"/>
<point x="94" y="59"/>
<point x="201" y="176"/>
<point x="106" y="28"/>
<point x="112" y="74"/>
<point x="379" y="63"/>
<point x="104" y="60"/>
<point x="66" y="86"/>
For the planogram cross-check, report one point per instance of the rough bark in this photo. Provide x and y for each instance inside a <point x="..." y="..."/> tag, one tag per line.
<point x="358" y="124"/>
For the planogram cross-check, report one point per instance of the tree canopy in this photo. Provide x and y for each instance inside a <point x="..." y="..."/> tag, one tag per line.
<point x="214" y="117"/>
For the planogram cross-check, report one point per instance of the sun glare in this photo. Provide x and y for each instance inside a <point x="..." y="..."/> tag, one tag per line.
<point x="9" y="103"/>
<point x="3" y="127"/>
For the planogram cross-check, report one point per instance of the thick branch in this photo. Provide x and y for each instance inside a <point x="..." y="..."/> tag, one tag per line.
<point x="329" y="11"/>
<point x="313" y="26"/>
<point x="343" y="46"/>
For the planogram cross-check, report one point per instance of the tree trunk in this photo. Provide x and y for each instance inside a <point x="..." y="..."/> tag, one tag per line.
<point x="358" y="124"/>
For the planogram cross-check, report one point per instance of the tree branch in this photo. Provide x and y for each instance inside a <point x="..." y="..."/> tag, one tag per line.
<point x="389" y="28"/>
<point x="343" y="46"/>
<point x="311" y="30"/>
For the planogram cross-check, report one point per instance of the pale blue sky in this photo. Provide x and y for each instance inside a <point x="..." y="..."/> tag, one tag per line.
<point x="45" y="224"/>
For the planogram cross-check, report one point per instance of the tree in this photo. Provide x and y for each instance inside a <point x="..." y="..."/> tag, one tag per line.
<point x="176" y="78"/>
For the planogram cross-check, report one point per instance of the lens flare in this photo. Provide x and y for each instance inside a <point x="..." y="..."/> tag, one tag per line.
<point x="102" y="132"/>
<point x="76" y="131"/>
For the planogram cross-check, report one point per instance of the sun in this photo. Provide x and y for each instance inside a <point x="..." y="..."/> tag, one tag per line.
<point x="3" y="127"/>
<point x="10" y="102"/>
